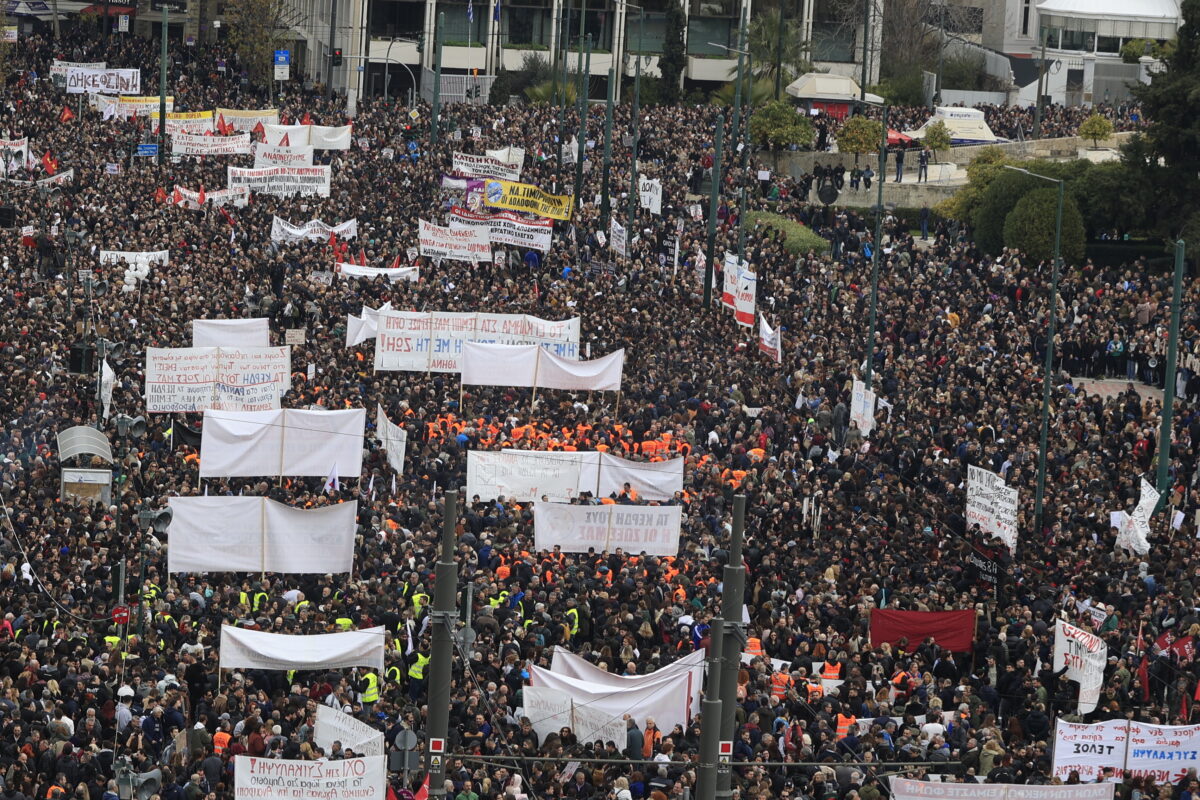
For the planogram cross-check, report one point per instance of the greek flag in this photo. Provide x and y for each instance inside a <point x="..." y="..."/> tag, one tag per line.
<point x="471" y="11"/>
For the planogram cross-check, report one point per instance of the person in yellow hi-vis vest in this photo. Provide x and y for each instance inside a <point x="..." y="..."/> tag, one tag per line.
<point x="416" y="675"/>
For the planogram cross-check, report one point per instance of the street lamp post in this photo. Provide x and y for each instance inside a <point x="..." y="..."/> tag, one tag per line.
<point x="634" y="195"/>
<point x="712" y="211"/>
<point x="1048" y="379"/>
<point x="869" y="369"/>
<point x="437" y="78"/>
<point x="743" y="59"/>
<point x="585" y="67"/>
<point x="1169" y="369"/>
<point x="605" y="201"/>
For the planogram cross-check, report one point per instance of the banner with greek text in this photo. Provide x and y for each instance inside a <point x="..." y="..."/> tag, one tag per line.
<point x="314" y="230"/>
<point x="281" y="181"/>
<point x="14" y="153"/>
<point x="1084" y="655"/>
<point x="347" y="270"/>
<point x="134" y="258"/>
<point x="745" y="298"/>
<point x="196" y="123"/>
<point x="269" y="155"/>
<point x="191" y="379"/>
<point x="526" y="197"/>
<point x="187" y="144"/>
<point x="246" y="120"/>
<point x="284" y="779"/>
<point x="336" y="726"/>
<point x="455" y="244"/>
<point x="1134" y="533"/>
<point x="862" y="407"/>
<point x="991" y="505"/>
<point x="618" y="239"/>
<point x="81" y="80"/>
<point x="1089" y="749"/>
<point x="650" y="194"/>
<point x="505" y="228"/>
<point x="416" y="341"/>
<point x="484" y="167"/>
<point x="729" y="275"/>
<point x="907" y="789"/>
<point x="135" y="106"/>
<point x="189" y="200"/>
<point x="59" y="69"/>
<point x="653" y="530"/>
<point x="560" y="476"/>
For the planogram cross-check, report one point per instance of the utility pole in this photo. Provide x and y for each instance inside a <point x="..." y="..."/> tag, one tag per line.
<point x="778" y="54"/>
<point x="585" y="68"/>
<point x="332" y="31"/>
<point x="937" y="92"/>
<point x="1169" y="369"/>
<point x="712" y="212"/>
<point x="737" y="88"/>
<point x="746" y="182"/>
<point x="437" y="78"/>
<point x="562" y="113"/>
<point x="710" y="722"/>
<point x="875" y="248"/>
<point x="862" y="89"/>
<point x="1037" y="110"/>
<point x="162" y="85"/>
<point x="634" y="192"/>
<point x="733" y="639"/>
<point x="445" y="594"/>
<point x="605" y="200"/>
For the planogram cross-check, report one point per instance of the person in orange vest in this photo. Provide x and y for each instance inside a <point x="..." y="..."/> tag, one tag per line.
<point x="781" y="684"/>
<point x="651" y="739"/>
<point x="832" y="671"/>
<point x="845" y="723"/>
<point x="754" y="647"/>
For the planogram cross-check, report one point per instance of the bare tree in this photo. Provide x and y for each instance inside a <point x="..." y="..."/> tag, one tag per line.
<point x="256" y="31"/>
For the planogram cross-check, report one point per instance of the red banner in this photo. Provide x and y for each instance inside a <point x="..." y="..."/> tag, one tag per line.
<point x="954" y="630"/>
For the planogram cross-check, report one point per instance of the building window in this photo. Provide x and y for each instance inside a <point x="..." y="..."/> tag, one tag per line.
<point x="1025" y="4"/>
<point x="1079" y="40"/>
<point x="1108" y="44"/>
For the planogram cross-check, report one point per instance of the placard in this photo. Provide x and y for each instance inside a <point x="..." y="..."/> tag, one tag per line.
<point x="192" y="379"/>
<point x="1089" y="749"/>
<point x="433" y="341"/>
<point x="81" y="80"/>
<point x="294" y="336"/>
<point x="991" y="505"/>
<point x="469" y="244"/>
<point x="484" y="167"/>
<point x="505" y="228"/>
<point x="285" y="779"/>
<point x="187" y="144"/>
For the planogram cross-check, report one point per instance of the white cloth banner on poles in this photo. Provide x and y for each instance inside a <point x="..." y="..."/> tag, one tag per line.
<point x="61" y="68"/>
<point x="1084" y="655"/>
<point x="314" y="230"/>
<point x="1089" y="749"/>
<point x="506" y="228"/>
<point x="363" y="327"/>
<point x="247" y="119"/>
<point x="745" y="298"/>
<point x="469" y="244"/>
<point x="1134" y="533"/>
<point x="1132" y="749"/>
<point x="337" y="137"/>
<point x="618" y="240"/>
<point x="135" y="106"/>
<point x="336" y="726"/>
<point x="907" y="789"/>
<point x="267" y="155"/>
<point x="530" y="366"/>
<point x="284" y="779"/>
<point x="347" y="270"/>
<point x="862" y="407"/>
<point x="770" y="340"/>
<point x="189" y="200"/>
<point x="563" y="662"/>
<point x="560" y="476"/>
<point x="286" y="135"/>
<point x="730" y="272"/>
<point x="1166" y="752"/>
<point x="418" y="341"/>
<point x="187" y="144"/>
<point x="653" y="530"/>
<point x="508" y="155"/>
<point x="242" y="648"/>
<point x="108" y="379"/>
<point x="650" y="192"/>
<point x="668" y="700"/>
<point x="81" y="80"/>
<point x="484" y="167"/>
<point x="286" y="442"/>
<point x="231" y="332"/>
<point x="135" y="258"/>
<point x="281" y="181"/>
<point x="193" y="379"/>
<point x="256" y="534"/>
<point x="991" y="505"/>
<point x="193" y="122"/>
<point x="392" y="438"/>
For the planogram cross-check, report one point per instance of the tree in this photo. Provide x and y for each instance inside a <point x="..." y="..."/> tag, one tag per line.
<point x="776" y="126"/>
<point x="673" y="59"/>
<point x="501" y="88"/>
<point x="1030" y="226"/>
<point x="1004" y="192"/>
<point x="1096" y="127"/>
<point x="545" y="92"/>
<point x="980" y="172"/>
<point x="1103" y="195"/>
<point x="255" y="31"/>
<point x="760" y="92"/>
<point x="937" y="138"/>
<point x="860" y="135"/>
<point x="763" y="40"/>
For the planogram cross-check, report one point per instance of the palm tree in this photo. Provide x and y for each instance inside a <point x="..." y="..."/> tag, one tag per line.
<point x="760" y="92"/>
<point x="764" y="42"/>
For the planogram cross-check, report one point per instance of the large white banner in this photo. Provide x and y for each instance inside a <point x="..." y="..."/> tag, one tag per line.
<point x="247" y="120"/>
<point x="282" y="181"/>
<point x="1084" y="655"/>
<point x="336" y="726"/>
<point x="455" y="244"/>
<point x="508" y="155"/>
<point x="1132" y="749"/>
<point x="907" y="789"/>
<point x="668" y="698"/>
<point x="392" y="438"/>
<point x="415" y="341"/>
<point x="862" y="407"/>
<point x="187" y="199"/>
<point x="365" y="326"/>
<point x="283" y="779"/>
<point x="653" y="530"/>
<point x="559" y="476"/>
<point x="231" y="332"/>
<point x="1088" y="749"/>
<point x="1166" y="752"/>
<point x="128" y="105"/>
<point x="286" y="135"/>
<point x="192" y="379"/>
<point x="242" y="648"/>
<point x="530" y="366"/>
<point x="650" y="194"/>
<point x="770" y="341"/>
<point x="286" y="442"/>
<point x="193" y="122"/>
<point x="269" y="155"/>
<point x="485" y="167"/>
<point x="61" y="68"/>
<point x="318" y="137"/>
<point x="991" y="505"/>
<point x="1134" y="533"/>
<point x="618" y="238"/>
<point x="255" y="534"/>
<point x="505" y="228"/>
<point x="347" y="270"/>
<point x="314" y="230"/>
<point x="187" y="144"/>
<point x="745" y="298"/>
<point x="551" y="710"/>
<point x="135" y="258"/>
<point x="81" y="80"/>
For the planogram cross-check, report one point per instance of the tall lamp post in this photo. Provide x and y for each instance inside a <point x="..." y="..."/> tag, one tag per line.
<point x="1168" y="412"/>
<point x="1052" y="318"/>
<point x="634" y="195"/>
<point x="869" y="368"/>
<point x="743" y="61"/>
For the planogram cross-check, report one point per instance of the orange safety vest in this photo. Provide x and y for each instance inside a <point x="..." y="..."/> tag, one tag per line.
<point x="780" y="683"/>
<point x="815" y="692"/>
<point x="754" y="646"/>
<point x="831" y="671"/>
<point x="220" y="741"/>
<point x="843" y="725"/>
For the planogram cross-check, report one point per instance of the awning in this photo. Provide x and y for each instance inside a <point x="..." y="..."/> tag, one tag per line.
<point x="896" y="137"/>
<point x="114" y="10"/>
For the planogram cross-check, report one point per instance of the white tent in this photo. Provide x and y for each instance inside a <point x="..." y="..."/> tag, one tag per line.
<point x="967" y="126"/>
<point x="828" y="88"/>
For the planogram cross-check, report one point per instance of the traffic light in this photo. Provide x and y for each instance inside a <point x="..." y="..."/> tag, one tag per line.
<point x="337" y="56"/>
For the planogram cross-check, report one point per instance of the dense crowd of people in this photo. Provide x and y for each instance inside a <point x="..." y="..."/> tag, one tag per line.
<point x="838" y="523"/>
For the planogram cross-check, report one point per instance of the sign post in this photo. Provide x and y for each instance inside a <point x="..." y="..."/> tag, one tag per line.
<point x="166" y="6"/>
<point x="283" y="62"/>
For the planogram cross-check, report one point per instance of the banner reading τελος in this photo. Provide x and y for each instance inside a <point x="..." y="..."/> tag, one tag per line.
<point x="526" y="197"/>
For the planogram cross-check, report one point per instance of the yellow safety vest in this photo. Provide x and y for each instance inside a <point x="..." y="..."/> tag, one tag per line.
<point x="260" y="600"/>
<point x="301" y="605"/>
<point x="393" y="674"/>
<point x="573" y="615"/>
<point x="419" y="600"/>
<point x="417" y="670"/>
<point x="345" y="623"/>
<point x="371" y="694"/>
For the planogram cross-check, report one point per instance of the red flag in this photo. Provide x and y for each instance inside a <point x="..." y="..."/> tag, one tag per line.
<point x="306" y="119"/>
<point x="203" y="198"/>
<point x="423" y="792"/>
<point x="283" y="119"/>
<point x="177" y="196"/>
<point x="228" y="217"/>
<point x="333" y="240"/>
<point x="260" y="133"/>
<point x="67" y="115"/>
<point x="286" y="141"/>
<point x="160" y="195"/>
<point x="1143" y="673"/>
<point x="49" y="164"/>
<point x="208" y="133"/>
<point x="396" y="262"/>
<point x="222" y="126"/>
<point x="362" y="257"/>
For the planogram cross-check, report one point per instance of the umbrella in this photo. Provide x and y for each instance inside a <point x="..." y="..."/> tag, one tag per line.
<point x="896" y="137"/>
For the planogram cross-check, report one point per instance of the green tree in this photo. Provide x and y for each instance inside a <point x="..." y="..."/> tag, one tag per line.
<point x="760" y="92"/>
<point x="1030" y="226"/>
<point x="256" y="30"/>
<point x="1004" y="191"/>
<point x="501" y="88"/>
<point x="545" y="92"/>
<point x="777" y="125"/>
<point x="673" y="59"/>
<point x="763" y="40"/>
<point x="980" y="172"/>
<point x="1097" y="127"/>
<point x="860" y="135"/>
<point x="937" y="138"/>
<point x="1103" y="195"/>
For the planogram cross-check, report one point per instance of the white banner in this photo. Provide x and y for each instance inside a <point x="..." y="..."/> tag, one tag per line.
<point x="193" y="122"/>
<point x="14" y="153"/>
<point x="650" y="194"/>
<point x="108" y="379"/>
<point x="770" y="341"/>
<point x="231" y="332"/>
<point x="282" y="181"/>
<point x="906" y="789"/>
<point x="134" y="258"/>
<point x="187" y="144"/>
<point x="505" y="228"/>
<point x="287" y="442"/>
<point x="618" y="240"/>
<point x="1084" y="655"/>
<point x="61" y="68"/>
<point x="81" y="80"/>
<point x="242" y="648"/>
<point x="392" y="438"/>
<point x="268" y="155"/>
<point x="484" y="167"/>
<point x="991" y="505"/>
<point x="653" y="530"/>
<point x="668" y="700"/>
<point x="247" y="120"/>
<point x="335" y="726"/>
<point x="314" y="230"/>
<point x="330" y="138"/>
<point x="286" y="135"/>
<point x="1088" y="749"/>
<point x="282" y="779"/>
<point x="560" y="476"/>
<point x="1134" y="533"/>
<point x="415" y="341"/>
<point x="730" y="270"/>
<point x="745" y="298"/>
<point x="363" y="327"/>
<point x="238" y="198"/>
<point x="193" y="379"/>
<point x="255" y="534"/>
<point x="345" y="270"/>
<point x="508" y="155"/>
<point x="1166" y="752"/>
<point x="862" y="407"/>
<point x="135" y="106"/>
<point x="531" y="366"/>
<point x="456" y="244"/>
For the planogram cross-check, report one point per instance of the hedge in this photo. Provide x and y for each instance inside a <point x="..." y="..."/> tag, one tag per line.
<point x="800" y="238"/>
